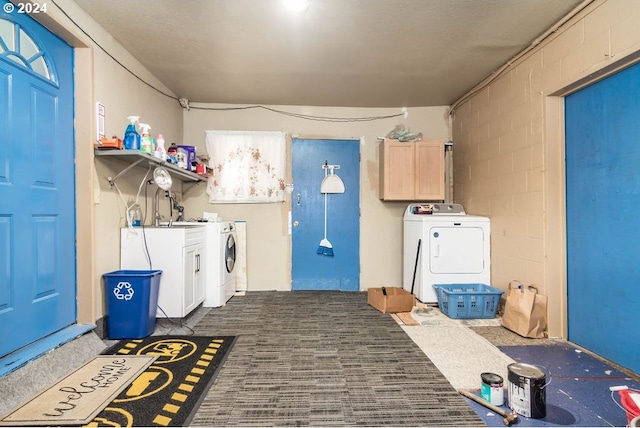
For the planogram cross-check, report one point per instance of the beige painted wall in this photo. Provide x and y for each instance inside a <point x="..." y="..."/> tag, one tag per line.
<point x="507" y="143"/>
<point x="268" y="241"/>
<point x="100" y="209"/>
<point x="509" y="147"/>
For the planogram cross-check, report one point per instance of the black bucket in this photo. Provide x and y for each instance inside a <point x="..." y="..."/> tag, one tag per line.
<point x="527" y="393"/>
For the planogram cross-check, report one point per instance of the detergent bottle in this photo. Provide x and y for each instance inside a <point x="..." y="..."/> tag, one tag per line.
<point x="131" y="136"/>
<point x="172" y="151"/>
<point x="160" y="151"/>
<point x="146" y="141"/>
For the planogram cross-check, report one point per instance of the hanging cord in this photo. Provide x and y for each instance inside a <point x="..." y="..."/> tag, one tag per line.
<point x="136" y="201"/>
<point x="124" y="201"/>
<point x="184" y="103"/>
<point x="179" y="324"/>
<point x="304" y="116"/>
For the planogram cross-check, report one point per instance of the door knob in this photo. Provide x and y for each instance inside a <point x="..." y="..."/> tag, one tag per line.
<point x="296" y="223"/>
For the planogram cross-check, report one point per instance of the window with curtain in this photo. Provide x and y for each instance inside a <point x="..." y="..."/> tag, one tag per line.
<point x="248" y="166"/>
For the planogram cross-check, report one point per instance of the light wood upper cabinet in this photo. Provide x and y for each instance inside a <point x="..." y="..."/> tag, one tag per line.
<point x="412" y="171"/>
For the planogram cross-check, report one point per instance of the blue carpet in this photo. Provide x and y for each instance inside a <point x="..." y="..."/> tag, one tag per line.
<point x="577" y="391"/>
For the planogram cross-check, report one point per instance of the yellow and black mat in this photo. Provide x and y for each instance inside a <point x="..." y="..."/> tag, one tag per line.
<point x="169" y="392"/>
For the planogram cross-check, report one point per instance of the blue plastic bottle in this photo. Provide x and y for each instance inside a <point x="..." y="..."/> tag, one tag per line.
<point x="131" y="136"/>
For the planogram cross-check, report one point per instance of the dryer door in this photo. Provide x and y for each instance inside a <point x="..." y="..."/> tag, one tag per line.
<point x="230" y="254"/>
<point x="456" y="250"/>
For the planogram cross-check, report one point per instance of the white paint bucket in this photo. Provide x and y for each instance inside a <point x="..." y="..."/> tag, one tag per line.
<point x="491" y="388"/>
<point x="527" y="393"/>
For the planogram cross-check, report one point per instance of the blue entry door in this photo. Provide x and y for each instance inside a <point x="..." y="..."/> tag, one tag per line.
<point x="603" y="217"/>
<point x="310" y="270"/>
<point x="37" y="196"/>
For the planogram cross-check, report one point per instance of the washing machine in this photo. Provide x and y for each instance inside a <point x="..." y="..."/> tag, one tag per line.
<point x="444" y="245"/>
<point x="225" y="287"/>
<point x="220" y="259"/>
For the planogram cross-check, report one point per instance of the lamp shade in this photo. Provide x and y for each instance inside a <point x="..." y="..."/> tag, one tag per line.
<point x="162" y="178"/>
<point x="332" y="184"/>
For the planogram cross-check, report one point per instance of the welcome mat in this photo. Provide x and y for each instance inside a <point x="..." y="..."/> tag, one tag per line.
<point x="169" y="392"/>
<point x="82" y="394"/>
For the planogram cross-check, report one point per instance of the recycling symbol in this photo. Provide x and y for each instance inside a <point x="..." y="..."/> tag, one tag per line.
<point x="123" y="291"/>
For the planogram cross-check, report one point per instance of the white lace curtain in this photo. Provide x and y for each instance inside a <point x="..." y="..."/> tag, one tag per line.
<point x="248" y="166"/>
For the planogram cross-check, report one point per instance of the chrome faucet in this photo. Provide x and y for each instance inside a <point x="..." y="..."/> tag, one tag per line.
<point x="156" y="210"/>
<point x="172" y="205"/>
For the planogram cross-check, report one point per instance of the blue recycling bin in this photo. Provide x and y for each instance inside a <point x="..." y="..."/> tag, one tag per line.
<point x="131" y="298"/>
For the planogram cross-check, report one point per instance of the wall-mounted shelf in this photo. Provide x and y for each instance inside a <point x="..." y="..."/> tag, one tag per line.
<point x="136" y="158"/>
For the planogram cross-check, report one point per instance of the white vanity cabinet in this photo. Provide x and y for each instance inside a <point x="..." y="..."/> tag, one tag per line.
<point x="180" y="253"/>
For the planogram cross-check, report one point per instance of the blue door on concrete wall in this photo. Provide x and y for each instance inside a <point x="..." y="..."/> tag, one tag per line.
<point x="603" y="217"/>
<point x="37" y="199"/>
<point x="310" y="270"/>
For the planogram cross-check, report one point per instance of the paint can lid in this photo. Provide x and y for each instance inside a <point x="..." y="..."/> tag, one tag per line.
<point x="491" y="379"/>
<point x="526" y="370"/>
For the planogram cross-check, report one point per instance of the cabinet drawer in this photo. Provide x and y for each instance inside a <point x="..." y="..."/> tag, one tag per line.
<point x="194" y="235"/>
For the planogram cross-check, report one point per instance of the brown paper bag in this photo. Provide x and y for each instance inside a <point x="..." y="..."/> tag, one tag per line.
<point x="525" y="311"/>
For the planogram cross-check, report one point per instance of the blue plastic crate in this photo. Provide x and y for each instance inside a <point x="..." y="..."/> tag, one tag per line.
<point x="468" y="300"/>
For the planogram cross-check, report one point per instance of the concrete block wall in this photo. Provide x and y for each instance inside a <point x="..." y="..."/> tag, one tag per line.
<point x="509" y="145"/>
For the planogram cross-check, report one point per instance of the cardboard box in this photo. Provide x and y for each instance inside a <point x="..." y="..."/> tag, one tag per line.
<point x="396" y="300"/>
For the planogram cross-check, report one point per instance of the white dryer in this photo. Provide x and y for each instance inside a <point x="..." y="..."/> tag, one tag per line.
<point x="444" y="245"/>
<point x="220" y="259"/>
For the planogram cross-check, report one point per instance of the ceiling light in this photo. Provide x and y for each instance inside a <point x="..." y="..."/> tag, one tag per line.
<point x="296" y="5"/>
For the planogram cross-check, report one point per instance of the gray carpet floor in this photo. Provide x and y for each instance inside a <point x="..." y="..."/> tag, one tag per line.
<point x="322" y="359"/>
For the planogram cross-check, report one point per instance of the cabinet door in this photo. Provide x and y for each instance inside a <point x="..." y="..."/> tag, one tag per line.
<point x="398" y="170"/>
<point x="194" y="277"/>
<point x="201" y="274"/>
<point x="190" y="272"/>
<point x="429" y="170"/>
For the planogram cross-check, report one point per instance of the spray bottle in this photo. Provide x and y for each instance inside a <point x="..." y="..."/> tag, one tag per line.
<point x="131" y="136"/>
<point x="146" y="141"/>
<point x="160" y="151"/>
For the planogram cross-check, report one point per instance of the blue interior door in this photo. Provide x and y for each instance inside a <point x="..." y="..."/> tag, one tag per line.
<point x="37" y="205"/>
<point x="603" y="217"/>
<point x="310" y="270"/>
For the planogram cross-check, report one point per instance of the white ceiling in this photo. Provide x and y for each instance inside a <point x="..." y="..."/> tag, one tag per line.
<point x="352" y="53"/>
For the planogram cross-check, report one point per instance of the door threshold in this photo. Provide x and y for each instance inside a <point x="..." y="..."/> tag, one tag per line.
<point x="22" y="356"/>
